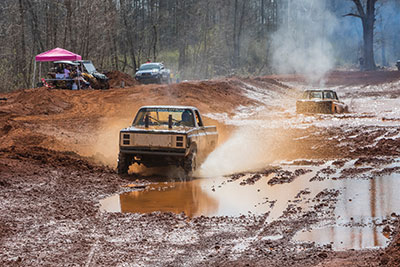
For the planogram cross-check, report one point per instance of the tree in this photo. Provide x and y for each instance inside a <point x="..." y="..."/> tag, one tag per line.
<point x="367" y="16"/>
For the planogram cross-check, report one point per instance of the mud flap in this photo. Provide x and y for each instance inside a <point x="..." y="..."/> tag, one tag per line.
<point x="123" y="163"/>
<point x="190" y="163"/>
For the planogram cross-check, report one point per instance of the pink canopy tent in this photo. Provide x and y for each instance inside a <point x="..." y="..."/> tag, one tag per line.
<point x="57" y="54"/>
<point x="54" y="55"/>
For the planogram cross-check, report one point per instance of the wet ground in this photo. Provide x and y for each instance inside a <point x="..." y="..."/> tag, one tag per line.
<point x="280" y="190"/>
<point x="361" y="207"/>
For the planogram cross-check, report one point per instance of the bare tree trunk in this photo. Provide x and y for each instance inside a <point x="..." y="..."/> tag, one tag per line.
<point x="155" y="38"/>
<point x="368" y="32"/>
<point x="367" y="17"/>
<point x="237" y="32"/>
<point x="21" y="57"/>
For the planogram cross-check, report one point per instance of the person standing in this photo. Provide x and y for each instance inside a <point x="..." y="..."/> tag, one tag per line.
<point x="67" y="72"/>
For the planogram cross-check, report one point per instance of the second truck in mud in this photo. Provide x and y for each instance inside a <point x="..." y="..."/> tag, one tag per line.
<point x="320" y="101"/>
<point x="166" y="135"/>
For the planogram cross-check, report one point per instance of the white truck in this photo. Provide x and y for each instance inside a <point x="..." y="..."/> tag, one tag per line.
<point x="166" y="135"/>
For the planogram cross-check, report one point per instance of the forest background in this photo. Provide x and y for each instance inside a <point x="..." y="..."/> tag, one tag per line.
<point x="199" y="39"/>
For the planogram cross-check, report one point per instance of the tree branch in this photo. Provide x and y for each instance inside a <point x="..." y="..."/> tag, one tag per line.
<point x="352" y="15"/>
<point x="360" y="8"/>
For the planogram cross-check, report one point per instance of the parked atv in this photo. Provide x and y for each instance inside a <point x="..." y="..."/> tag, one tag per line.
<point x="97" y="80"/>
<point x="78" y="69"/>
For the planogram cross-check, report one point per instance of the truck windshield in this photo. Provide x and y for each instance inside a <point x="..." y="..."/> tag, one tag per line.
<point x="149" y="67"/>
<point x="160" y="116"/>
<point x="329" y="95"/>
<point x="313" y="94"/>
<point x="89" y="67"/>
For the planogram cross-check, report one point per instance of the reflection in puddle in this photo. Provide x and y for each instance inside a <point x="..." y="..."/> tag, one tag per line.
<point x="359" y="199"/>
<point x="177" y="197"/>
<point x="342" y="238"/>
<point x="360" y="202"/>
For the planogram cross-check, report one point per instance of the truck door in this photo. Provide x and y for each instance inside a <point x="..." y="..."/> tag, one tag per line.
<point x="209" y="136"/>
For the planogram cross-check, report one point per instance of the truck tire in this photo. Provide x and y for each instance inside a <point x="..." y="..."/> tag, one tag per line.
<point x="190" y="164"/>
<point x="123" y="163"/>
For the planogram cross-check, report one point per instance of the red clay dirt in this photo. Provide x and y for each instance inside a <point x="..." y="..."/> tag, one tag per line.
<point x="120" y="79"/>
<point x="57" y="158"/>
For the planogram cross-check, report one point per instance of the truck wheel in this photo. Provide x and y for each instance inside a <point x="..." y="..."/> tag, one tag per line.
<point x="191" y="163"/>
<point x="123" y="163"/>
<point x="106" y="85"/>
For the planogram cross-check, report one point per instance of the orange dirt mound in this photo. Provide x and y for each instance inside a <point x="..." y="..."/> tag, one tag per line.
<point x="117" y="77"/>
<point x="88" y="121"/>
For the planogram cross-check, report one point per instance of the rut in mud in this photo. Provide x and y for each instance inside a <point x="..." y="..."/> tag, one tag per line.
<point x="276" y="184"/>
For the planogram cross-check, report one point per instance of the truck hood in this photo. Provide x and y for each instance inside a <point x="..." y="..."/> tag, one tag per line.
<point x="153" y="72"/>
<point x="315" y="100"/>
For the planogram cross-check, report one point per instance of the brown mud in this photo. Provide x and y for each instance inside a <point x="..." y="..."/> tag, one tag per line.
<point x="57" y="161"/>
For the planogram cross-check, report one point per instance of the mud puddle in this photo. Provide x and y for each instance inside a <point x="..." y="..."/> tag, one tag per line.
<point x="345" y="238"/>
<point x="363" y="196"/>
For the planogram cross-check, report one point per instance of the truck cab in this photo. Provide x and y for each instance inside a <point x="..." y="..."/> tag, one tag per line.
<point x="153" y="73"/>
<point x="166" y="135"/>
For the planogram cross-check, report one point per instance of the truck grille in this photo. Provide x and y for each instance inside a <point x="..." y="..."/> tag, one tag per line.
<point x="153" y="140"/>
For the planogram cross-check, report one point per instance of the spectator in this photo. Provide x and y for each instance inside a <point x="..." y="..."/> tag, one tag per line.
<point x="67" y="72"/>
<point x="59" y="68"/>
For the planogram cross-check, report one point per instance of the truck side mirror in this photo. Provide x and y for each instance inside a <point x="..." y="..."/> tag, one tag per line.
<point x="137" y="69"/>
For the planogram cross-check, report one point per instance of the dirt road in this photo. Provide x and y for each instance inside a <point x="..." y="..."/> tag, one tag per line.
<point x="281" y="189"/>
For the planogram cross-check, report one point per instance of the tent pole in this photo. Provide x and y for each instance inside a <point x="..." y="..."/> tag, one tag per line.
<point x="33" y="76"/>
<point x="40" y="70"/>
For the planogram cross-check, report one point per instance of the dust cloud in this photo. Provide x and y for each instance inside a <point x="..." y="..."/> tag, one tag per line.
<point x="301" y="44"/>
<point x="105" y="147"/>
<point x="248" y="149"/>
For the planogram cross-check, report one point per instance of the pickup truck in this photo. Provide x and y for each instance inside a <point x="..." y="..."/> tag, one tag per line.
<point x="166" y="135"/>
<point x="153" y="73"/>
<point x="320" y="101"/>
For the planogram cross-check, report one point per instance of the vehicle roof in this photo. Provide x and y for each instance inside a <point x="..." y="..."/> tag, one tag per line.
<point x="319" y="90"/>
<point x="83" y="61"/>
<point x="166" y="106"/>
<point x="66" y="62"/>
<point x="155" y="63"/>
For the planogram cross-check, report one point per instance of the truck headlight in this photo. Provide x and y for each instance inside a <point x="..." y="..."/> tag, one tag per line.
<point x="126" y="139"/>
<point x="179" y="141"/>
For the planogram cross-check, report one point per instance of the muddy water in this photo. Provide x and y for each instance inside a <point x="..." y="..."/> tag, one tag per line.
<point x="342" y="238"/>
<point x="363" y="199"/>
<point x="360" y="199"/>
